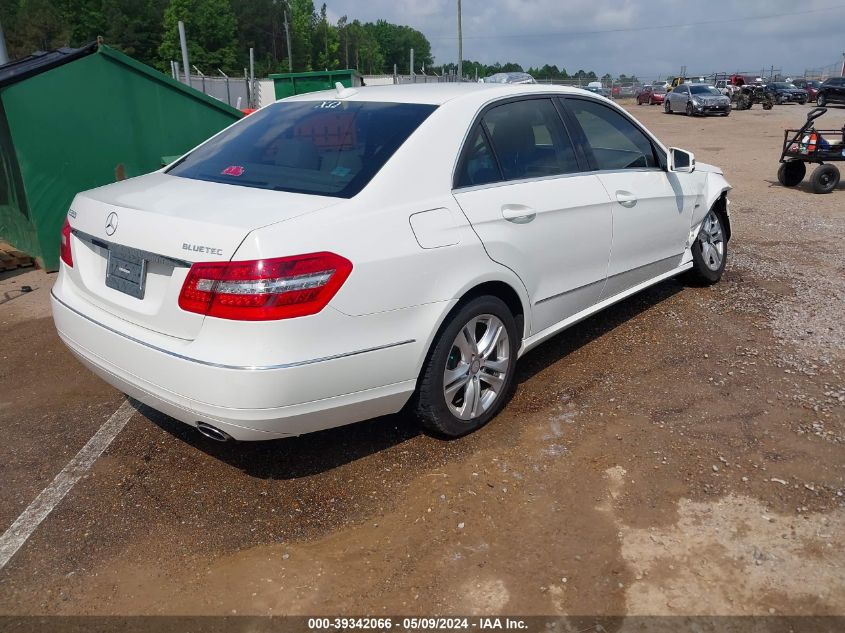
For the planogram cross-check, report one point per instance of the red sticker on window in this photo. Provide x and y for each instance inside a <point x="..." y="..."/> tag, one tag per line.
<point x="233" y="170"/>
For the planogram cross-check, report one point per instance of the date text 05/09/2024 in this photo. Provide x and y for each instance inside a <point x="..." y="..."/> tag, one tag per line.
<point x="417" y="624"/>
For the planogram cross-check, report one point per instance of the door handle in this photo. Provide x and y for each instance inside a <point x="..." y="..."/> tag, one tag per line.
<point x="518" y="213"/>
<point x="626" y="199"/>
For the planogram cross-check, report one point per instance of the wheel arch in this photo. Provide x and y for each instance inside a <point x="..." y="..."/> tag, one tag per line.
<point x="720" y="206"/>
<point x="516" y="301"/>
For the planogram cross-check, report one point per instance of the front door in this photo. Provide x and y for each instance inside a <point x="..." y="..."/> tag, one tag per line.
<point x="652" y="209"/>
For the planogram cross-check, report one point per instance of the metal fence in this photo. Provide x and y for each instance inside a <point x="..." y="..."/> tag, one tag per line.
<point x="236" y="91"/>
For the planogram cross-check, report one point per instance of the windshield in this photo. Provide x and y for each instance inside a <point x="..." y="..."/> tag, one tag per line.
<point x="780" y="84"/>
<point x="327" y="148"/>
<point x="700" y="89"/>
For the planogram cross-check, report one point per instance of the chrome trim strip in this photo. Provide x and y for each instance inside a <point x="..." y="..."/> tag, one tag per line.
<point x="614" y="276"/>
<point x="235" y="367"/>
<point x="566" y="292"/>
<point x="137" y="252"/>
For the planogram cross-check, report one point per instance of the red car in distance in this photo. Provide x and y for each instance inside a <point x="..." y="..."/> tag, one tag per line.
<point x="651" y="95"/>
<point x="810" y="85"/>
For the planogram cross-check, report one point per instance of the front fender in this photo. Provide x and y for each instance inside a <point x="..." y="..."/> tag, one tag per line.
<point x="715" y="197"/>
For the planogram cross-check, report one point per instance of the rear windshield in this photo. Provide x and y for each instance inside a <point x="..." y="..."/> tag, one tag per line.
<point x="327" y="148"/>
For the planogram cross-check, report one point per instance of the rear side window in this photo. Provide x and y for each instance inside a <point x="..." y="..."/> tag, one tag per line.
<point x="529" y="139"/>
<point x="616" y="142"/>
<point x="327" y="148"/>
<point x="479" y="165"/>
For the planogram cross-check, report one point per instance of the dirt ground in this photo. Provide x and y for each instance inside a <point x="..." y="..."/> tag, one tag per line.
<point x="681" y="453"/>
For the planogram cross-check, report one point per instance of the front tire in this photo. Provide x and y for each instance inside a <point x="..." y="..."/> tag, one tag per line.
<point x="468" y="374"/>
<point x="667" y="106"/>
<point x="825" y="178"/>
<point x="821" y="101"/>
<point x="709" y="251"/>
<point x="690" y="111"/>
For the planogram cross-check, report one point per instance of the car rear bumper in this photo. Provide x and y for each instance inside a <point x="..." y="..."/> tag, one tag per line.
<point x="290" y="399"/>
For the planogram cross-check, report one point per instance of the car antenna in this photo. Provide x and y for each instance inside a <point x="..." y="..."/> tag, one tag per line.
<point x="343" y="92"/>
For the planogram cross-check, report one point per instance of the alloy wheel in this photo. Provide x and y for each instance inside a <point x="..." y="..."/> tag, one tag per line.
<point x="712" y="241"/>
<point x="476" y="367"/>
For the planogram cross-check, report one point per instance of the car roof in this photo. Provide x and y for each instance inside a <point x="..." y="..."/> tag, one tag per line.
<point x="437" y="94"/>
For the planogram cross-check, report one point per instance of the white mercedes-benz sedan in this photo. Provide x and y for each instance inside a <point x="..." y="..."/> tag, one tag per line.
<point x="341" y="255"/>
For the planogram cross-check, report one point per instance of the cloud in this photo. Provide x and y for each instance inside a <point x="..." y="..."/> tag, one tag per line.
<point x="621" y="36"/>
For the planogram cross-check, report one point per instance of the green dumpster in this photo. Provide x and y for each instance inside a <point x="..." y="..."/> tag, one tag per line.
<point x="74" y="119"/>
<point x="289" y="84"/>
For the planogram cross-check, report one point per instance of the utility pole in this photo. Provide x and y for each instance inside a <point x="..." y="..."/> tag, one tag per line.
<point x="186" y="67"/>
<point x="4" y="55"/>
<point x="287" y="37"/>
<point x="460" y="45"/>
<point x="413" y="76"/>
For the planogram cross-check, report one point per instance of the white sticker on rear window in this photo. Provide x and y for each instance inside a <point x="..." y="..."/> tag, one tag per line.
<point x="327" y="105"/>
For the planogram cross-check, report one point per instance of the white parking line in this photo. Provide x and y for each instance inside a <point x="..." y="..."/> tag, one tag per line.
<point x="31" y="518"/>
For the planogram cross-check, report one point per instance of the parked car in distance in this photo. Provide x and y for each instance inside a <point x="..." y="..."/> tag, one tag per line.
<point x="694" y="99"/>
<point x="832" y="90"/>
<point x="784" y="92"/>
<point x="596" y="88"/>
<point x="510" y="78"/>
<point x="651" y="95"/>
<point x="726" y="87"/>
<point x="810" y="85"/>
<point x="244" y="291"/>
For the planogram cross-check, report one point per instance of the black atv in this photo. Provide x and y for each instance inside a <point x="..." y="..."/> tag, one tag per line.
<point x="749" y="94"/>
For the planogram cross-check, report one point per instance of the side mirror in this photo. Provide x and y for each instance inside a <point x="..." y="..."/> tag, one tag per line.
<point x="681" y="161"/>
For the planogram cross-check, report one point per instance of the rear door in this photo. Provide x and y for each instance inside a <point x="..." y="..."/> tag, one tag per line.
<point x="521" y="184"/>
<point x="652" y="208"/>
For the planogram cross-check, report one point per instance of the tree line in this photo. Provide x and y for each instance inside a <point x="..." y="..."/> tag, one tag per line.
<point x="219" y="32"/>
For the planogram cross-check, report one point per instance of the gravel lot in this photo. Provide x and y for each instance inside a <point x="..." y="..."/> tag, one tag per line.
<point x="681" y="453"/>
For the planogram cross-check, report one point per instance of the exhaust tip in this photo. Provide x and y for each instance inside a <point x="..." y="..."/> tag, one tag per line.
<point x="213" y="433"/>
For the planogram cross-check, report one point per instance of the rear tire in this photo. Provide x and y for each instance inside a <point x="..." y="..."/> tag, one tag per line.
<point x="821" y="101"/>
<point x="709" y="252"/>
<point x="468" y="373"/>
<point x="825" y="178"/>
<point x="791" y="173"/>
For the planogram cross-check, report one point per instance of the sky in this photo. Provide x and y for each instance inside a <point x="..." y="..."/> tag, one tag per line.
<point x="648" y="38"/>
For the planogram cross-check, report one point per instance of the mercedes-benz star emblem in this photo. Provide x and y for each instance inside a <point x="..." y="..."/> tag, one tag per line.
<point x="111" y="223"/>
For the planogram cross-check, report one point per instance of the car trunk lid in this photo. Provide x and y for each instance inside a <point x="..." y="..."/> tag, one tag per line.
<point x="134" y="243"/>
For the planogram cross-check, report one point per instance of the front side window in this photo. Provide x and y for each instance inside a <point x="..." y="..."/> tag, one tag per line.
<point x="616" y="142"/>
<point x="529" y="139"/>
<point x="327" y="148"/>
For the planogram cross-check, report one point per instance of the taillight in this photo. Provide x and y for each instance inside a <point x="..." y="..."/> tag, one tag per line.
<point x="64" y="250"/>
<point x="264" y="289"/>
